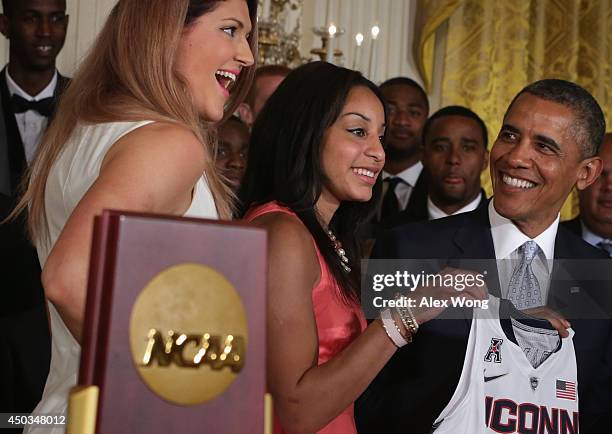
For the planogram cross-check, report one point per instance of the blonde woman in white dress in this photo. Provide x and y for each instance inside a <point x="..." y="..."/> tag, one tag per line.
<point x="131" y="133"/>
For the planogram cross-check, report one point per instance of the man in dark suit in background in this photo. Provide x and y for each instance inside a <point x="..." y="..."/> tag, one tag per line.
<point x="407" y="111"/>
<point x="29" y="84"/>
<point x="594" y="223"/>
<point x="547" y="145"/>
<point x="454" y="155"/>
<point x="404" y="181"/>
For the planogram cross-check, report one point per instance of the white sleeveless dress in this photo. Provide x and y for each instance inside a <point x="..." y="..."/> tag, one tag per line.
<point x="69" y="179"/>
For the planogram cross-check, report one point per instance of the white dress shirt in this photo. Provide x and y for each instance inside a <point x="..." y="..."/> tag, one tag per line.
<point x="436" y="213"/>
<point x="507" y="238"/>
<point x="403" y="190"/>
<point x="31" y="124"/>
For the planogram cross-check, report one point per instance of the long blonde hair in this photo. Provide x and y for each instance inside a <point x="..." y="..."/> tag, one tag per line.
<point x="129" y="76"/>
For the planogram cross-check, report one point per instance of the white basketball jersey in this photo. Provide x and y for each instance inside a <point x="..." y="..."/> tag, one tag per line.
<point x="501" y="392"/>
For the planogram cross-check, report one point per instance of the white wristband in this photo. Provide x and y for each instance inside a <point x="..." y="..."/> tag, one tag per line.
<point x="391" y="328"/>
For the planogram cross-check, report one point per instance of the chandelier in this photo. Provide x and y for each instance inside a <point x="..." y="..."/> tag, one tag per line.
<point x="280" y="32"/>
<point x="280" y="28"/>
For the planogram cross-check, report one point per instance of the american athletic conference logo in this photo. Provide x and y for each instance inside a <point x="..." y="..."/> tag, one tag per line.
<point x="494" y="351"/>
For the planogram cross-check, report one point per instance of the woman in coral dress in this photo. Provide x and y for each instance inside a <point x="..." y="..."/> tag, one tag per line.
<point x="312" y="175"/>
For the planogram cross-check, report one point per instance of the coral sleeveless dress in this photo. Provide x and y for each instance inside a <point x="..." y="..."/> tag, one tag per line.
<point x="338" y="323"/>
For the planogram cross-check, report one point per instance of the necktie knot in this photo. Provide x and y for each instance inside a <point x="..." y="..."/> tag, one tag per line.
<point x="529" y="250"/>
<point x="606" y="246"/>
<point x="392" y="182"/>
<point x="390" y="205"/>
<point x="44" y="106"/>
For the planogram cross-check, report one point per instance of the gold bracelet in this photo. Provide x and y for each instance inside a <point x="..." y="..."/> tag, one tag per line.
<point x="409" y="334"/>
<point x="408" y="319"/>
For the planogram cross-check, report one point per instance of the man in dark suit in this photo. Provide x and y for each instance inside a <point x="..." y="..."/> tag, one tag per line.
<point x="407" y="111"/>
<point x="29" y="84"/>
<point x="404" y="180"/>
<point x="547" y="145"/>
<point x="594" y="223"/>
<point x="454" y="156"/>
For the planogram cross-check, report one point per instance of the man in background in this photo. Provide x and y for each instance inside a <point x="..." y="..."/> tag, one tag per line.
<point x="454" y="155"/>
<point x="594" y="224"/>
<point x="29" y="85"/>
<point x="267" y="79"/>
<point x="234" y="138"/>
<point x="404" y="183"/>
<point x="407" y="111"/>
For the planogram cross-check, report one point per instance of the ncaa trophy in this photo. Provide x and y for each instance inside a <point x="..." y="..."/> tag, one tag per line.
<point x="174" y="336"/>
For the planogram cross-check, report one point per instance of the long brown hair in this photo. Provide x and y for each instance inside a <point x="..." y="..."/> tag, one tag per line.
<point x="114" y="84"/>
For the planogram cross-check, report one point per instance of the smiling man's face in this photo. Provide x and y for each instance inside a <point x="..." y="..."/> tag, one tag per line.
<point x="535" y="162"/>
<point x="36" y="30"/>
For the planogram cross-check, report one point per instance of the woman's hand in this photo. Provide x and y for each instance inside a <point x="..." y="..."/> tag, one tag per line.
<point x="441" y="295"/>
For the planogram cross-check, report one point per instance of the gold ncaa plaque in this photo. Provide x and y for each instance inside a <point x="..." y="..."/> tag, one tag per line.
<point x="188" y="334"/>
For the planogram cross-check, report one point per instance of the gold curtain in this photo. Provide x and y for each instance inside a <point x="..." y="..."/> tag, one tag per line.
<point x="492" y="49"/>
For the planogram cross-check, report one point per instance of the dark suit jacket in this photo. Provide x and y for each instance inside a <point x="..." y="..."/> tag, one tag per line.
<point x="25" y="346"/>
<point x="418" y="211"/>
<point x="418" y="197"/>
<point x="574" y="226"/>
<point x="371" y="230"/>
<point x="417" y="201"/>
<point x="419" y="380"/>
<point x="12" y="155"/>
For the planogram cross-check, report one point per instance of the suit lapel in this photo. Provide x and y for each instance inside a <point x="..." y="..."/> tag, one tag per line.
<point x="571" y="272"/>
<point x="475" y="245"/>
<point x="60" y="87"/>
<point x="559" y="294"/>
<point x="62" y="84"/>
<point x="12" y="153"/>
<point x="14" y="145"/>
<point x="418" y="197"/>
<point x="5" y="177"/>
<point x="416" y="211"/>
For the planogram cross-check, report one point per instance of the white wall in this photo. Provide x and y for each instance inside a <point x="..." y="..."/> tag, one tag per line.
<point x="86" y="18"/>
